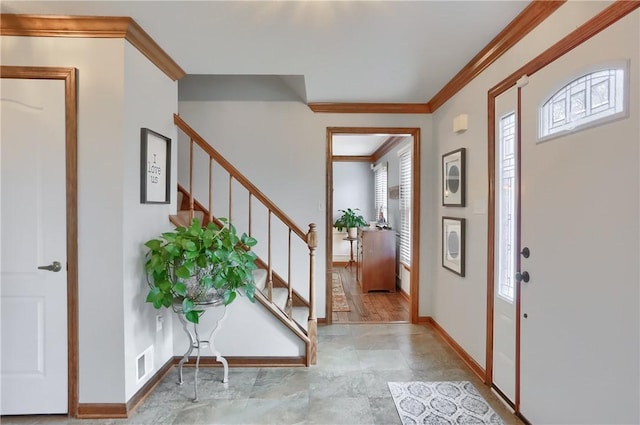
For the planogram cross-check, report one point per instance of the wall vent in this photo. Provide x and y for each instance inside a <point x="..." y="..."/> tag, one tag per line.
<point x="144" y="364"/>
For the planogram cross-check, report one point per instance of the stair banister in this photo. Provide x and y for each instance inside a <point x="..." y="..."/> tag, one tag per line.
<point x="195" y="137"/>
<point x="310" y="237"/>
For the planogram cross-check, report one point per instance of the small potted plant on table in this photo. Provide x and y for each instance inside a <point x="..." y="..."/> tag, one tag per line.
<point x="350" y="220"/>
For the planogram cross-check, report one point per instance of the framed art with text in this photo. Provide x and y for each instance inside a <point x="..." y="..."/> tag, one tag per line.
<point x="453" y="178"/>
<point x="155" y="167"/>
<point x="453" y="252"/>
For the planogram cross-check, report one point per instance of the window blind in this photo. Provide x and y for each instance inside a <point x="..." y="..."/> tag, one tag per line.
<point x="380" y="200"/>
<point x="405" y="206"/>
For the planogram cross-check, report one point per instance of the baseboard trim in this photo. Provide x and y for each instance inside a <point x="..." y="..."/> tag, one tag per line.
<point x="102" y="411"/>
<point x="123" y="410"/>
<point x="144" y="392"/>
<point x="210" y="361"/>
<point x="464" y="356"/>
<point x="424" y="320"/>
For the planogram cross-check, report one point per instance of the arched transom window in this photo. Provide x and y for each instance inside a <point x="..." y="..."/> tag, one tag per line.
<point x="589" y="100"/>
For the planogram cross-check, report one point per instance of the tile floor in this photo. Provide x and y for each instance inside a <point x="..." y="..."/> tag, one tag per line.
<point x="347" y="386"/>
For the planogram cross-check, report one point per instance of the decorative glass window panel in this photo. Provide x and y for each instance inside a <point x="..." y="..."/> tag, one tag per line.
<point x="506" y="207"/>
<point x="589" y="100"/>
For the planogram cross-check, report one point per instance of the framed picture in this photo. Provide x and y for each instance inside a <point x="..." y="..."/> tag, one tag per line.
<point x="453" y="244"/>
<point x="394" y="192"/>
<point x="453" y="178"/>
<point x="155" y="167"/>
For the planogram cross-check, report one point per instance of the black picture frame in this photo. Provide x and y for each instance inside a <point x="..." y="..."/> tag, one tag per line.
<point x="155" y="167"/>
<point x="453" y="244"/>
<point x="454" y="176"/>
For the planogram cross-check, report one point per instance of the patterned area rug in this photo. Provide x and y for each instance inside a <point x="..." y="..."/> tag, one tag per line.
<point x="338" y="298"/>
<point x="446" y="402"/>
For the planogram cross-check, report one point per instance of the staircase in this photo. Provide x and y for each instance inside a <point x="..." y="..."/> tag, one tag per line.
<point x="280" y="289"/>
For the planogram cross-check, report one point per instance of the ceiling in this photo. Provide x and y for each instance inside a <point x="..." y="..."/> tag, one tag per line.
<point x="357" y="144"/>
<point x="327" y="51"/>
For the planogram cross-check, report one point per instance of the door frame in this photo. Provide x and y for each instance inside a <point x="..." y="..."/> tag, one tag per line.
<point x="415" y="212"/>
<point x="69" y="76"/>
<point x="593" y="26"/>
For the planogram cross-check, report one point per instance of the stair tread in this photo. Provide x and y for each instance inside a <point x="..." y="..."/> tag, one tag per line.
<point x="280" y="296"/>
<point x="260" y="279"/>
<point x="185" y="214"/>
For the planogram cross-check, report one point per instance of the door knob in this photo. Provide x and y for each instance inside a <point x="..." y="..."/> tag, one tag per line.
<point x="53" y="267"/>
<point x="525" y="252"/>
<point x="524" y="277"/>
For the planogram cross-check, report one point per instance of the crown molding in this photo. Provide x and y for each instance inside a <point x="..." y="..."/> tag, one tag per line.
<point x="347" y="158"/>
<point x="536" y="12"/>
<point x="523" y="24"/>
<point x="370" y="108"/>
<point x="91" y="27"/>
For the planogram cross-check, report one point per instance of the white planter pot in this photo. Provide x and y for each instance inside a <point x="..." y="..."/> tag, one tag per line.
<point x="352" y="232"/>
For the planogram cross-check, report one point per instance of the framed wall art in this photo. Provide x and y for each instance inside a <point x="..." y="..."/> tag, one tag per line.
<point x="155" y="167"/>
<point x="453" y="252"/>
<point x="453" y="178"/>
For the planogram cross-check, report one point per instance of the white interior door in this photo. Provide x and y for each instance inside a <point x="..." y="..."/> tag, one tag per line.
<point x="580" y="220"/>
<point x="33" y="233"/>
<point x="504" y="304"/>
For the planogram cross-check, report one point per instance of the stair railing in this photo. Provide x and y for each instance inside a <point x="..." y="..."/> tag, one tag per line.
<point x="309" y="238"/>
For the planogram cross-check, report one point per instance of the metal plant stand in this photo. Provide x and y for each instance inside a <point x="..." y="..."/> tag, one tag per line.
<point x="197" y="343"/>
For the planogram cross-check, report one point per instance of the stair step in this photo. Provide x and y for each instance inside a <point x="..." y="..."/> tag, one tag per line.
<point x="280" y="296"/>
<point x="300" y="314"/>
<point x="179" y="200"/>
<point x="260" y="279"/>
<point x="184" y="216"/>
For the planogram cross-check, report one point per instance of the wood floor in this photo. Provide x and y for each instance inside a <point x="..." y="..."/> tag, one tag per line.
<point x="372" y="307"/>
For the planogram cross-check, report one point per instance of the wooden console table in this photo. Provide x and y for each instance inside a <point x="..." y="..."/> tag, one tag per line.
<point x="376" y="266"/>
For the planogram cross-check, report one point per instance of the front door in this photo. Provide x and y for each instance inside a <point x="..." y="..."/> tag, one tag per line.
<point x="33" y="232"/>
<point x="580" y="220"/>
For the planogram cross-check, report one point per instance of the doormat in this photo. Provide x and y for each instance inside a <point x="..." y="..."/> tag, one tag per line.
<point x="446" y="402"/>
<point x="338" y="298"/>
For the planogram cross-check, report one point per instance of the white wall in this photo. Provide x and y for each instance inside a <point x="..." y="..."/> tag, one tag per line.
<point x="150" y="100"/>
<point x="281" y="147"/>
<point x="459" y="304"/>
<point x="107" y="186"/>
<point x="353" y="187"/>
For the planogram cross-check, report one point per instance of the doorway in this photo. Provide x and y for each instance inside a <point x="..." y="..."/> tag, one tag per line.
<point x="32" y="346"/>
<point x="574" y="243"/>
<point x="383" y="142"/>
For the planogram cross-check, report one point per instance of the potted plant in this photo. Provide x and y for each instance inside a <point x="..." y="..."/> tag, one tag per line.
<point x="350" y="220"/>
<point x="193" y="266"/>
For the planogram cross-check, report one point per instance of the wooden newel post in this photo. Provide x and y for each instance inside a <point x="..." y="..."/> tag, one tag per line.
<point x="312" y="328"/>
<point x="312" y="242"/>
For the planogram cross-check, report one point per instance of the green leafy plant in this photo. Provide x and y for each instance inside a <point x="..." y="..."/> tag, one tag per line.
<point x="195" y="265"/>
<point x="349" y="218"/>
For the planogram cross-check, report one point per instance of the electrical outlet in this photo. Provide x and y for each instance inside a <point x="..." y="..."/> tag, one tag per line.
<point x="159" y="323"/>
